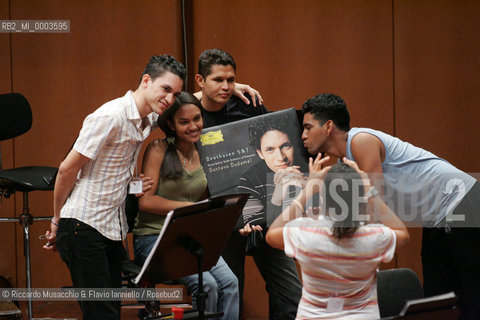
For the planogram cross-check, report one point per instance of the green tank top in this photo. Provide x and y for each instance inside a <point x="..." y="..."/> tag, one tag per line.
<point x="190" y="187"/>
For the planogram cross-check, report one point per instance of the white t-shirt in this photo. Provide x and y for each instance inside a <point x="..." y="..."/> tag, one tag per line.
<point x="342" y="269"/>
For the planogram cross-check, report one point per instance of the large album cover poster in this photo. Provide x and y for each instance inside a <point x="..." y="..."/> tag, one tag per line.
<point x="263" y="156"/>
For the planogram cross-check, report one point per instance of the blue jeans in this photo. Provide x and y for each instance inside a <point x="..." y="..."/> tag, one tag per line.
<point x="219" y="283"/>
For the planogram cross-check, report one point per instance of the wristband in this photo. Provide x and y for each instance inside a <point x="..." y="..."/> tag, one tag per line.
<point x="371" y="193"/>
<point x="55" y="223"/>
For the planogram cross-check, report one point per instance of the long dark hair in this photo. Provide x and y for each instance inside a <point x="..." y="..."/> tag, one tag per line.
<point x="172" y="166"/>
<point x="343" y="173"/>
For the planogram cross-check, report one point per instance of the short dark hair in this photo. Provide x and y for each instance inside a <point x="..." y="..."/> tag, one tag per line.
<point x="340" y="171"/>
<point x="262" y="125"/>
<point x="328" y="106"/>
<point x="211" y="57"/>
<point x="158" y="65"/>
<point x="171" y="167"/>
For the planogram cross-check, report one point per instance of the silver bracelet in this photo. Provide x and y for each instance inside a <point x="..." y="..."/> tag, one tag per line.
<point x="371" y="193"/>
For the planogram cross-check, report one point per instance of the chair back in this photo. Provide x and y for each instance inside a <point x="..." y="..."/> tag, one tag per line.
<point x="394" y="288"/>
<point x="131" y="210"/>
<point x="15" y="115"/>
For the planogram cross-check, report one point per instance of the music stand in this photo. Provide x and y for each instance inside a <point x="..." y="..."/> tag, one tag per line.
<point x="183" y="247"/>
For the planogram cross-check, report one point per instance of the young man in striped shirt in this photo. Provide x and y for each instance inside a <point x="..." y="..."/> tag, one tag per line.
<point x="89" y="220"/>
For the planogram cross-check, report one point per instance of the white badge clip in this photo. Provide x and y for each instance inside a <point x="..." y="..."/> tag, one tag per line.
<point x="335" y="304"/>
<point x="135" y="187"/>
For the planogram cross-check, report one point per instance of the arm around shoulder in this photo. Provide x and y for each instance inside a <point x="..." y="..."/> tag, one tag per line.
<point x="241" y="89"/>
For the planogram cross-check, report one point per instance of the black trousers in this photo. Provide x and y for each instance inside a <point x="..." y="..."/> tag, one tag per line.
<point x="94" y="262"/>
<point x="279" y="272"/>
<point x="451" y="257"/>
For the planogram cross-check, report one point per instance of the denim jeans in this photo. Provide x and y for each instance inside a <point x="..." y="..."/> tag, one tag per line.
<point x="279" y="272"/>
<point x="94" y="262"/>
<point x="219" y="283"/>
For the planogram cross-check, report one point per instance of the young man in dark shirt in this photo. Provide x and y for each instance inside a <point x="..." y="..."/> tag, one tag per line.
<point x="216" y="78"/>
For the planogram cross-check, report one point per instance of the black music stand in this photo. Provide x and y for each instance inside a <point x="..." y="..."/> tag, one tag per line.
<point x="184" y="247"/>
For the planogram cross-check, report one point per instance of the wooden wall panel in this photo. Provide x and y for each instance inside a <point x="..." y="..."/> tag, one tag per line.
<point x="5" y="79"/>
<point x="437" y="59"/>
<point x="7" y="206"/>
<point x="293" y="51"/>
<point x="67" y="76"/>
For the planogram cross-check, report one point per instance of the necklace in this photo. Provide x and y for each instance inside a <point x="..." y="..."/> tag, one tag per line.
<point x="184" y="160"/>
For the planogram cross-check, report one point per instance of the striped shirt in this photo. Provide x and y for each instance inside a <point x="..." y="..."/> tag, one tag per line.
<point x="111" y="137"/>
<point x="343" y="268"/>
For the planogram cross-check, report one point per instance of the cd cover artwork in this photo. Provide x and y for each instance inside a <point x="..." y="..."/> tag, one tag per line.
<point x="263" y="156"/>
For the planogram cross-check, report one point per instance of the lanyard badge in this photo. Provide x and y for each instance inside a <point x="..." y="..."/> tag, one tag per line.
<point x="335" y="304"/>
<point x="136" y="185"/>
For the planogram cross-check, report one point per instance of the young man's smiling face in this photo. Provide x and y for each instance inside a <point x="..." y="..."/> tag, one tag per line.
<point x="161" y="92"/>
<point x="217" y="87"/>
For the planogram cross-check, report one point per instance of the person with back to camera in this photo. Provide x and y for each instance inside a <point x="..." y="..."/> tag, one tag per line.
<point x="179" y="180"/>
<point x="338" y="251"/>
<point x="417" y="185"/>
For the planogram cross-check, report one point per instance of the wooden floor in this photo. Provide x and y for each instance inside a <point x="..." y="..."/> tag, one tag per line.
<point x="69" y="310"/>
